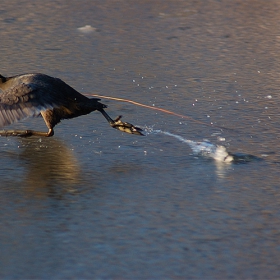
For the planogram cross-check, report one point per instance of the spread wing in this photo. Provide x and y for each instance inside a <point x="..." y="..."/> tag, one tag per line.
<point x="23" y="101"/>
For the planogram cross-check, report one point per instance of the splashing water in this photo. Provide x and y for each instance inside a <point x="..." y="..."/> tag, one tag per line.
<point x="205" y="148"/>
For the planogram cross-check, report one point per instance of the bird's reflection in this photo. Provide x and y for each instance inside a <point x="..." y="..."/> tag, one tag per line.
<point x="51" y="167"/>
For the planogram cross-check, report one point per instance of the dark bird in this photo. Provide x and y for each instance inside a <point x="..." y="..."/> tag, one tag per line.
<point x="30" y="95"/>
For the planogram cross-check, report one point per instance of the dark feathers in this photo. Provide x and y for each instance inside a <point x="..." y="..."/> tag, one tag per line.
<point x="27" y="95"/>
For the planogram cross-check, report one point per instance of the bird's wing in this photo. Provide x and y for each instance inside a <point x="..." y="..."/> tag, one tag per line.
<point x="23" y="101"/>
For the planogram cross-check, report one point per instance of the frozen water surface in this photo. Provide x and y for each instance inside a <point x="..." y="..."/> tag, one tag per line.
<point x="94" y="203"/>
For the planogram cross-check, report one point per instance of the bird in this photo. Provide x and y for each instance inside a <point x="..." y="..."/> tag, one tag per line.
<point x="30" y="95"/>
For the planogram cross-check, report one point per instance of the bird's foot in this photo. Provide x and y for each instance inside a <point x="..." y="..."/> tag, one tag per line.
<point x="125" y="127"/>
<point x="25" y="133"/>
<point x="18" y="133"/>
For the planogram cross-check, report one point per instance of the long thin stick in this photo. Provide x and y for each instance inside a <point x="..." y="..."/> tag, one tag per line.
<point x="152" y="107"/>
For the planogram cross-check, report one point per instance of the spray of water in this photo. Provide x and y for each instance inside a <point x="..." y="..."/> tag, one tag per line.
<point x="204" y="148"/>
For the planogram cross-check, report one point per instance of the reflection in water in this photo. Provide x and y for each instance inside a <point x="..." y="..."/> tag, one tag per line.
<point x="50" y="166"/>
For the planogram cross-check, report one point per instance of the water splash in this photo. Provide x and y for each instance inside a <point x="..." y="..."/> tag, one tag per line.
<point x="204" y="148"/>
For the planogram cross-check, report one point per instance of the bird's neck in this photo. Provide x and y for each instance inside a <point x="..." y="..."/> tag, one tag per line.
<point x="2" y="81"/>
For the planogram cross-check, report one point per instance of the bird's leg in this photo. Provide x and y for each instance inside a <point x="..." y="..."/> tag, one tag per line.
<point x="26" y="133"/>
<point x="122" y="126"/>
